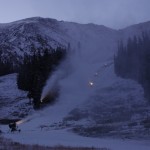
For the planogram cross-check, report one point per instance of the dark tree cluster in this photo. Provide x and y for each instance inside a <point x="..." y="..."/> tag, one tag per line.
<point x="5" y="67"/>
<point x="133" y="61"/>
<point x="36" y="69"/>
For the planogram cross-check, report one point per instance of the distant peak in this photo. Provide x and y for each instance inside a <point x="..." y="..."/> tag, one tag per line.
<point x="39" y="19"/>
<point x="33" y="20"/>
<point x="139" y="25"/>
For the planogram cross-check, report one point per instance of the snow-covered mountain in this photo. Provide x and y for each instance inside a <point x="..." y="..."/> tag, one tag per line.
<point x="32" y="34"/>
<point x="93" y="101"/>
<point x="28" y="36"/>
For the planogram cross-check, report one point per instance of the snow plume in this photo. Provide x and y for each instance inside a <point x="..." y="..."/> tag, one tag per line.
<point x="71" y="79"/>
<point x="23" y="121"/>
<point x="52" y="84"/>
<point x="75" y="78"/>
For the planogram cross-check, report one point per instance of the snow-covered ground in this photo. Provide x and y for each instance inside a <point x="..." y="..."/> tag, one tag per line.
<point x="87" y="82"/>
<point x="63" y="137"/>
<point x="13" y="102"/>
<point x="42" y="127"/>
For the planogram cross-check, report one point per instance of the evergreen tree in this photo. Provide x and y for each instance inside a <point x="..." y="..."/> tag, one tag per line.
<point x="133" y="61"/>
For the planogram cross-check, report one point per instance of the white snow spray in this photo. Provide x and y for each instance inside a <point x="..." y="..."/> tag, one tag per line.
<point x="74" y="78"/>
<point x="52" y="84"/>
<point x="22" y="121"/>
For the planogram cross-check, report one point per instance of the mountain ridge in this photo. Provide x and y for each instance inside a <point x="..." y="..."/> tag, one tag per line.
<point x="37" y="19"/>
<point x="19" y="37"/>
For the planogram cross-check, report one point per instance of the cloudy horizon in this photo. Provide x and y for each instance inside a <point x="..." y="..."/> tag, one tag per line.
<point x="111" y="13"/>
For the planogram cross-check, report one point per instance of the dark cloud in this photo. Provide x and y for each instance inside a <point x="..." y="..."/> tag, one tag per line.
<point x="112" y="13"/>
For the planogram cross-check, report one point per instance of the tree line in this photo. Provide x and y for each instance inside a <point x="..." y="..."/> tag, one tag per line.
<point x="133" y="60"/>
<point x="6" y="67"/>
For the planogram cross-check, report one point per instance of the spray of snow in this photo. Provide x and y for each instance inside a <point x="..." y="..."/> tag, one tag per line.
<point x="52" y="84"/>
<point x="21" y="121"/>
<point x="75" y="77"/>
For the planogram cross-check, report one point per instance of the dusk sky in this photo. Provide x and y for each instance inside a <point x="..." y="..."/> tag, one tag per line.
<point x="111" y="13"/>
